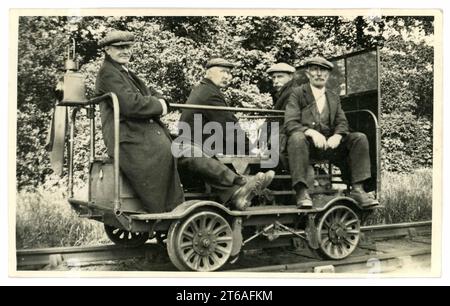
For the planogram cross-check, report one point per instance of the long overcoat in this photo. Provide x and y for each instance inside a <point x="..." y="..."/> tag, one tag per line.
<point x="145" y="143"/>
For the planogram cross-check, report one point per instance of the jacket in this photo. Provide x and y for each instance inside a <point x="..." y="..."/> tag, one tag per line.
<point x="301" y="112"/>
<point x="145" y="143"/>
<point x="207" y="93"/>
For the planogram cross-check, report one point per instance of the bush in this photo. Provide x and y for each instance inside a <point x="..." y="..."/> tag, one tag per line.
<point x="406" y="142"/>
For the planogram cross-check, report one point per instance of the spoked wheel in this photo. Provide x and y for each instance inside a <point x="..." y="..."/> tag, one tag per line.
<point x="125" y="238"/>
<point x="204" y="242"/>
<point x="339" y="232"/>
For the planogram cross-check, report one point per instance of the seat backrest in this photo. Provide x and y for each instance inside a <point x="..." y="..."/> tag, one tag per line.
<point x="102" y="187"/>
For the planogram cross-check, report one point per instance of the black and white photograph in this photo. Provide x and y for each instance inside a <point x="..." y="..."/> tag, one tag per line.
<point x="213" y="142"/>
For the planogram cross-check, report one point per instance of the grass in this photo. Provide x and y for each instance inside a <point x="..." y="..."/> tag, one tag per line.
<point x="407" y="197"/>
<point x="45" y="219"/>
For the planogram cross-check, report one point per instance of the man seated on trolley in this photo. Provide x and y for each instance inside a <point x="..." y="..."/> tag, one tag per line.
<point x="316" y="127"/>
<point x="282" y="76"/>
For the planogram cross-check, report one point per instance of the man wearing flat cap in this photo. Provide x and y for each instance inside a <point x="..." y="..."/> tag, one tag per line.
<point x="208" y="93"/>
<point x="282" y="76"/>
<point x="146" y="157"/>
<point x="317" y="127"/>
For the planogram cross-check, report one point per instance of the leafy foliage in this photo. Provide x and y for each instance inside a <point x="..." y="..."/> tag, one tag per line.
<point x="171" y="52"/>
<point x="406" y="141"/>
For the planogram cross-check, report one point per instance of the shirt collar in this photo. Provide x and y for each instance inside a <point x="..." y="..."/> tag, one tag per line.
<point x="317" y="92"/>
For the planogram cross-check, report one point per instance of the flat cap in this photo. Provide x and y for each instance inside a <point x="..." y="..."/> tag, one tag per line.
<point x="319" y="61"/>
<point x="219" y="62"/>
<point x="117" y="38"/>
<point x="281" y="67"/>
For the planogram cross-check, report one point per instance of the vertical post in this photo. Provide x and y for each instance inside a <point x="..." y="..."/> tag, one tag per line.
<point x="116" y="109"/>
<point x="378" y="132"/>
<point x="346" y="77"/>
<point x="91" y="116"/>
<point x="91" y="111"/>
<point x="71" y="150"/>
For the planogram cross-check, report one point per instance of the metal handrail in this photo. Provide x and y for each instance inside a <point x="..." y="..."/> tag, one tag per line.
<point x="377" y="144"/>
<point x="116" y="109"/>
<point x="374" y="117"/>
<point x="226" y="108"/>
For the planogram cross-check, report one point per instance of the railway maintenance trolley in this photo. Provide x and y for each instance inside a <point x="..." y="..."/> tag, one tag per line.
<point x="202" y="234"/>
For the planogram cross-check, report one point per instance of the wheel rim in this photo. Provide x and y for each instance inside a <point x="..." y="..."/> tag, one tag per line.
<point x="171" y="249"/>
<point x="125" y="238"/>
<point x="204" y="241"/>
<point x="339" y="232"/>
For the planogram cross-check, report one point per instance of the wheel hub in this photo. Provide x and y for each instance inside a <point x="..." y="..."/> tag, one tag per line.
<point x="337" y="233"/>
<point x="204" y="243"/>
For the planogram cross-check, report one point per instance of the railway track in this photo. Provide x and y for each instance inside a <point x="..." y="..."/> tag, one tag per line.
<point x="35" y="259"/>
<point x="381" y="263"/>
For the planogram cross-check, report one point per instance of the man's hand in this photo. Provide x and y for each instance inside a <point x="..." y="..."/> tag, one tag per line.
<point x="334" y="141"/>
<point x="255" y="151"/>
<point x="165" y="107"/>
<point x="318" y="139"/>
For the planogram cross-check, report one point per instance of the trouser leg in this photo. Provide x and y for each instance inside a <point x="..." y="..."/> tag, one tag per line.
<point x="213" y="172"/>
<point x="352" y="157"/>
<point x="209" y="169"/>
<point x="298" y="152"/>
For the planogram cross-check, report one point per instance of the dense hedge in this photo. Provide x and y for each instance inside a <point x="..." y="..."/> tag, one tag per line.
<point x="171" y="52"/>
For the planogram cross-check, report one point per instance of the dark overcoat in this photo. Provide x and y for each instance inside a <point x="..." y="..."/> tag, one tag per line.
<point x="145" y="143"/>
<point x="301" y="112"/>
<point x="207" y="93"/>
<point x="280" y="99"/>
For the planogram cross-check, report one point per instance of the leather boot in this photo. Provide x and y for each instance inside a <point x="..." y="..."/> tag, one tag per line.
<point x="242" y="198"/>
<point x="302" y="198"/>
<point x="363" y="198"/>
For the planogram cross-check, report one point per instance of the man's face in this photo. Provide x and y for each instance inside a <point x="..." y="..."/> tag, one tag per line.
<point x="279" y="79"/>
<point x="119" y="54"/>
<point x="317" y="75"/>
<point x="221" y="76"/>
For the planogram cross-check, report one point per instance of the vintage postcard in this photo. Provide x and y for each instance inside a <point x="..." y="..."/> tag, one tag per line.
<point x="225" y="143"/>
